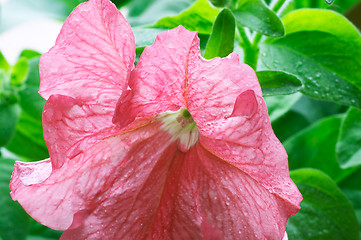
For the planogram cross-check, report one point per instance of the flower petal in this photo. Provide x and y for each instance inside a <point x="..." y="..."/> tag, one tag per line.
<point x="104" y="188"/>
<point x="214" y="85"/>
<point x="33" y="173"/>
<point x="248" y="143"/>
<point x="207" y="198"/>
<point x="78" y="126"/>
<point x="172" y="74"/>
<point x="101" y="193"/>
<point x="92" y="57"/>
<point x="158" y="81"/>
<point x="246" y="104"/>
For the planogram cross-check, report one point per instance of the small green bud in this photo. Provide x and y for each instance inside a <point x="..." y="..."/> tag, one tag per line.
<point x="186" y="114"/>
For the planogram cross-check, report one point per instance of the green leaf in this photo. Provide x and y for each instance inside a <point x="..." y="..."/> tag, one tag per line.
<point x="199" y="17"/>
<point x="204" y="41"/>
<point x="315" y="147"/>
<point x="41" y="232"/>
<point x="14" y="222"/>
<point x="278" y="83"/>
<point x="221" y="3"/>
<point x="255" y="15"/>
<point x="279" y="105"/>
<point x="344" y="6"/>
<point x="4" y="72"/>
<point x="348" y="147"/>
<point x="145" y="36"/>
<point x="329" y="1"/>
<point x="118" y="3"/>
<point x="323" y="49"/>
<point x="3" y="63"/>
<point x="351" y="187"/>
<point x="301" y="112"/>
<point x="30" y="100"/>
<point x="324" y="21"/>
<point x="221" y="41"/>
<point x="9" y="115"/>
<point x="341" y="6"/>
<point x="325" y="214"/>
<point x="314" y="110"/>
<point x="19" y="72"/>
<point x="29" y="54"/>
<point x="147" y="12"/>
<point x="28" y="138"/>
<point x="288" y="125"/>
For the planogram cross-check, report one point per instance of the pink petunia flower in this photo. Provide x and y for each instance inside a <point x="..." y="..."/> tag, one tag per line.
<point x="178" y="147"/>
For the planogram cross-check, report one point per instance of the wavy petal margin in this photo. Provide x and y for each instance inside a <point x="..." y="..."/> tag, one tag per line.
<point x="95" y="50"/>
<point x="71" y="126"/>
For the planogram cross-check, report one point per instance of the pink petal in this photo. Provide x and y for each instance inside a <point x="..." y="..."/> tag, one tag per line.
<point x="138" y="184"/>
<point x="214" y="85"/>
<point x="32" y="173"/>
<point x="108" y="183"/>
<point x="71" y="126"/>
<point x="93" y="55"/>
<point x="249" y="144"/>
<point x="172" y="74"/>
<point x="246" y="104"/>
<point x="207" y="198"/>
<point x="158" y="81"/>
<point x="105" y="187"/>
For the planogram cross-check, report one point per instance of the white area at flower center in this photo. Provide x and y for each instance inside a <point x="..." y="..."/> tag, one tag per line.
<point x="38" y="35"/>
<point x="187" y="135"/>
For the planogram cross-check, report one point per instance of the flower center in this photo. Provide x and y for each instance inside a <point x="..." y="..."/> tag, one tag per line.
<point x="181" y="126"/>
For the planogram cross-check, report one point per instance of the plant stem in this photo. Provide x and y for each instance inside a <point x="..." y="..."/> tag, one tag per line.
<point x="251" y="50"/>
<point x="256" y="39"/>
<point x="278" y="5"/>
<point x="244" y="37"/>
